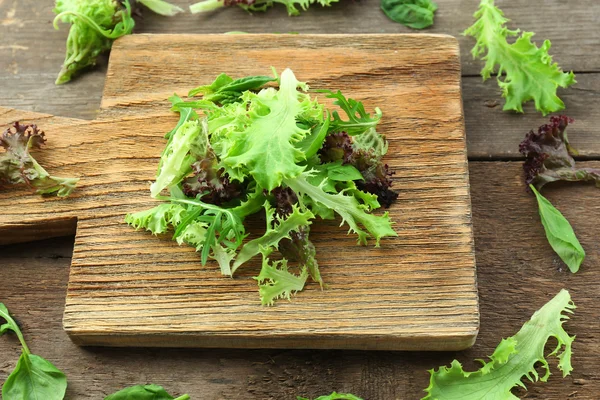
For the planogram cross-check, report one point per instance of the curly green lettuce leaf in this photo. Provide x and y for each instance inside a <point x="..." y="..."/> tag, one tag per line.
<point x="185" y="146"/>
<point x="334" y="396"/>
<point x="144" y="392"/>
<point x="514" y="359"/>
<point x="529" y="71"/>
<point x="270" y="160"/>
<point x="348" y="207"/>
<point x="94" y="26"/>
<point x="17" y="165"/>
<point x="258" y="5"/>
<point x="276" y="282"/>
<point x="359" y="121"/>
<point x="158" y="219"/>
<point x="33" y="376"/>
<point x="276" y="231"/>
<point x="161" y="7"/>
<point x="559" y="233"/>
<point x="416" y="14"/>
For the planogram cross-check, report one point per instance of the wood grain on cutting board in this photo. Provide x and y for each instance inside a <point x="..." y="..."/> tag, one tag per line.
<point x="127" y="288"/>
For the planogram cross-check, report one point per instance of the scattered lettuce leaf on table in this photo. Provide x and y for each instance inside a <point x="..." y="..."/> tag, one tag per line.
<point x="549" y="156"/>
<point x="33" y="377"/>
<point x="258" y="5"/>
<point x="17" y="165"/>
<point x="144" y="392"/>
<point x="416" y="14"/>
<point x="525" y="72"/>
<point x="95" y="24"/>
<point x="515" y="358"/>
<point x="559" y="233"/>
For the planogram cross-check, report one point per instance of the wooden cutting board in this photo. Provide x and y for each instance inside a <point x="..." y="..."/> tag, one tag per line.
<point x="128" y="288"/>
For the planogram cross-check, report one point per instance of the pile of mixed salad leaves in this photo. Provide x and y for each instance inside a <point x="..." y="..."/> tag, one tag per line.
<point x="245" y="148"/>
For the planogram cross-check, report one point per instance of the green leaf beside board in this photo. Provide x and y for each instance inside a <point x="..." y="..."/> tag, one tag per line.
<point x="144" y="392"/>
<point x="33" y="376"/>
<point x="416" y="14"/>
<point x="560" y="233"/>
<point x="515" y="358"/>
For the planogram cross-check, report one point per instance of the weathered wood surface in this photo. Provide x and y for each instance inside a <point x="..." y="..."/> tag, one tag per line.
<point x="32" y="51"/>
<point x="130" y="288"/>
<point x="517" y="274"/>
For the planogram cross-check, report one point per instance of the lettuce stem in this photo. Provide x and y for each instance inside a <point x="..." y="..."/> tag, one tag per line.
<point x="206" y="5"/>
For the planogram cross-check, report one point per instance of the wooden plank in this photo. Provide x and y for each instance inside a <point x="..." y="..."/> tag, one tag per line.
<point x="130" y="288"/>
<point x="517" y="273"/>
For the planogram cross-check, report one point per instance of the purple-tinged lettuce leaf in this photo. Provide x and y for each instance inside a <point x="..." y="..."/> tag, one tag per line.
<point x="17" y="166"/>
<point x="549" y="156"/>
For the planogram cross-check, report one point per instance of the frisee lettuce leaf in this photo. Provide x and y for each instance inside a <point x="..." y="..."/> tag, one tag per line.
<point x="529" y="73"/>
<point x="275" y="281"/>
<point x="271" y="160"/>
<point x="515" y="358"/>
<point x="347" y="206"/>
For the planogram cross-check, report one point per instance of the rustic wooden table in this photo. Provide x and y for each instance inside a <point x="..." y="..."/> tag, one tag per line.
<point x="517" y="270"/>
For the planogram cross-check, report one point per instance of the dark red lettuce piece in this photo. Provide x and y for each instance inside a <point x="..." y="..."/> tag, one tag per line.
<point x="376" y="174"/>
<point x="549" y="157"/>
<point x="210" y="182"/>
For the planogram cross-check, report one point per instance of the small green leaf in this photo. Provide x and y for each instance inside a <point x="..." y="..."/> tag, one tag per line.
<point x="144" y="392"/>
<point x="560" y="233"/>
<point x="416" y="14"/>
<point x="34" y="379"/>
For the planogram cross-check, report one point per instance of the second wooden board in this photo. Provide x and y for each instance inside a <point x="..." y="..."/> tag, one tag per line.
<point x="416" y="291"/>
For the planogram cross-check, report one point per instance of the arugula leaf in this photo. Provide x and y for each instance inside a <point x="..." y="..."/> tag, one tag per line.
<point x="270" y="161"/>
<point x="334" y="396"/>
<point x="226" y="90"/>
<point x="530" y="73"/>
<point x="257" y="5"/>
<point x="351" y="211"/>
<point x="33" y="377"/>
<point x="416" y="14"/>
<point x="359" y="121"/>
<point x="560" y="233"/>
<point x="275" y="281"/>
<point x="144" y="392"/>
<point x="17" y="166"/>
<point x="514" y="358"/>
